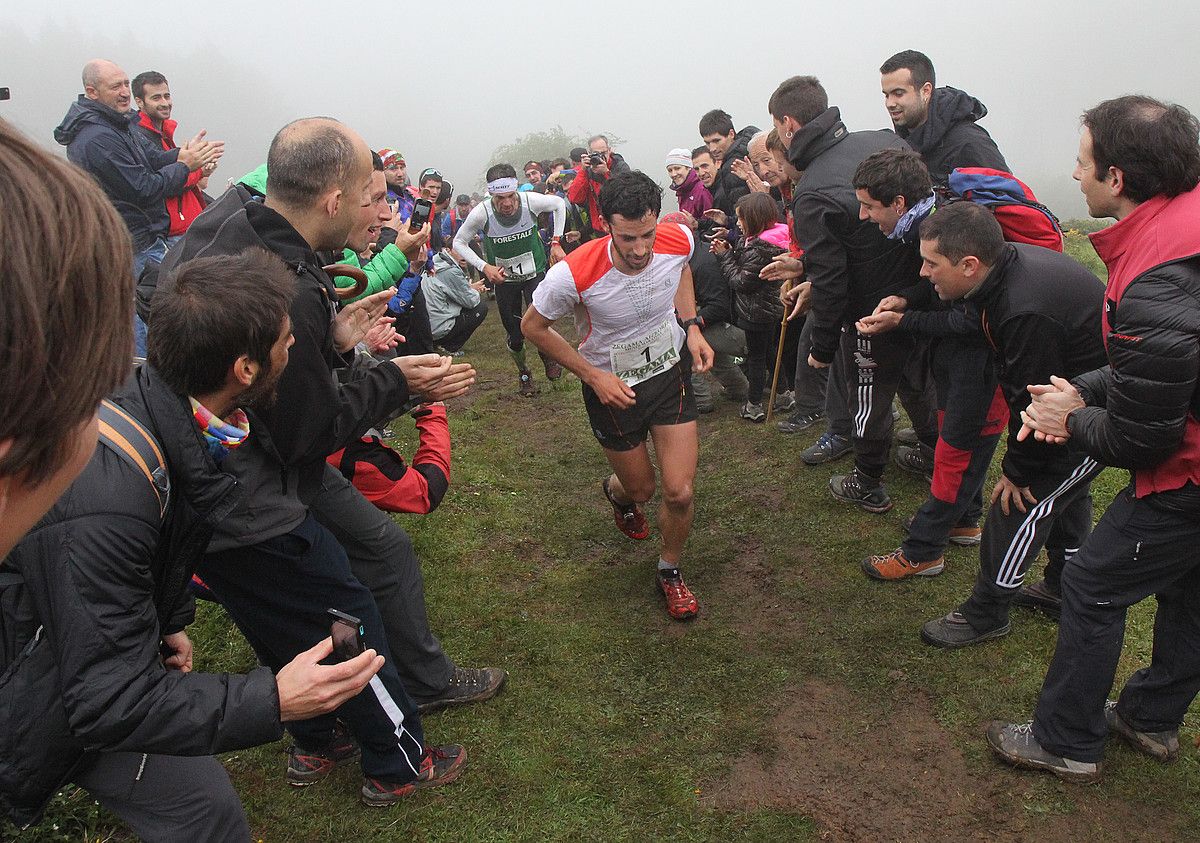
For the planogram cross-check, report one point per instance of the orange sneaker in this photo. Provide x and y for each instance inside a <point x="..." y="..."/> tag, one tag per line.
<point x="681" y="603"/>
<point x="629" y="516"/>
<point x="896" y="566"/>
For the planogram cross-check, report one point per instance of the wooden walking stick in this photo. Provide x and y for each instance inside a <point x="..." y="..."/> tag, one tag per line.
<point x="787" y="286"/>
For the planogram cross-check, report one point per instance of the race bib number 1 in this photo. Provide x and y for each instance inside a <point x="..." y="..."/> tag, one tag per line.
<point x="641" y="359"/>
<point x="519" y="266"/>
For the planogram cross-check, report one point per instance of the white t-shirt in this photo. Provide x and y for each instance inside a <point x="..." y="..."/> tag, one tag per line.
<point x="624" y="317"/>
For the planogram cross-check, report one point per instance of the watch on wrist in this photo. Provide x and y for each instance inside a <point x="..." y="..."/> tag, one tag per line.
<point x="698" y="321"/>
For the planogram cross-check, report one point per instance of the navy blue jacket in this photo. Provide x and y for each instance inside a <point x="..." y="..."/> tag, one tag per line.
<point x="137" y="180"/>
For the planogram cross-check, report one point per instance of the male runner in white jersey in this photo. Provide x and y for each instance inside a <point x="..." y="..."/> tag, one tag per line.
<point x="516" y="257"/>
<point x="633" y="291"/>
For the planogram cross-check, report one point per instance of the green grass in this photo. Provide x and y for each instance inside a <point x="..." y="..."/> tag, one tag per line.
<point x="620" y="725"/>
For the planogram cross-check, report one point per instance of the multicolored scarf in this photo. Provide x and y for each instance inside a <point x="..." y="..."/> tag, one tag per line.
<point x="222" y="435"/>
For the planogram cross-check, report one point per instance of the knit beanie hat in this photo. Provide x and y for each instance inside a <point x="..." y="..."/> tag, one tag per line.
<point x="683" y="157"/>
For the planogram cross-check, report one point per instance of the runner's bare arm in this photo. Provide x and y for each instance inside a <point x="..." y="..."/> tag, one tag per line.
<point x="685" y="309"/>
<point x="608" y="387"/>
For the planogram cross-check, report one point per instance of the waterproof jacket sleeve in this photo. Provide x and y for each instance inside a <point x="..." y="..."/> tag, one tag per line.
<point x="816" y="219"/>
<point x="1146" y="399"/>
<point x="384" y="270"/>
<point x="92" y="589"/>
<point x="124" y="176"/>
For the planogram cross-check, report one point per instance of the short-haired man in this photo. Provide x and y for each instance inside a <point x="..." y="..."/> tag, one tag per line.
<point x="516" y="259"/>
<point x="106" y="572"/>
<point x="940" y="123"/>
<point x="1139" y="162"/>
<point x="725" y="146"/>
<point x="641" y="346"/>
<point x="534" y="179"/>
<point x="1040" y="312"/>
<point x="596" y="166"/>
<point x="851" y="266"/>
<point x="98" y="132"/>
<point x="152" y="94"/>
<point x="692" y="195"/>
<point x="401" y="194"/>
<point x="895" y="193"/>
<point x="706" y="167"/>
<point x="302" y="521"/>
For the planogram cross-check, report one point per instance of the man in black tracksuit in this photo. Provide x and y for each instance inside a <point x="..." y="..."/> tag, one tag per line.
<point x="851" y="266"/>
<point x="1040" y="312"/>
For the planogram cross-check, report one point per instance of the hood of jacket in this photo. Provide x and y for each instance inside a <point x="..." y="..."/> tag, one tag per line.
<point x="256" y="180"/>
<point x="84" y="111"/>
<point x="819" y="134"/>
<point x="740" y="147"/>
<point x="777" y="235"/>
<point x="947" y="108"/>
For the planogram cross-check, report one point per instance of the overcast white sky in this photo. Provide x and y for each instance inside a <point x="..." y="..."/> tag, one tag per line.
<point x="447" y="82"/>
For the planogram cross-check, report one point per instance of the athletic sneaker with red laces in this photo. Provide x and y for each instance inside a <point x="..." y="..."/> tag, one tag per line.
<point x="439" y="765"/>
<point x="629" y="517"/>
<point x="681" y="603"/>
<point x="305" y="767"/>
<point x="897" y="566"/>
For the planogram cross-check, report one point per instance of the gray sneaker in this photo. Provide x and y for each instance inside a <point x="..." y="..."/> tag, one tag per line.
<point x="797" y="422"/>
<point x="785" y="401"/>
<point x="864" y="492"/>
<point x="915" y="460"/>
<point x="752" y="412"/>
<point x="1015" y="744"/>
<point x="467" y="685"/>
<point x="1161" y="746"/>
<point x="907" y="436"/>
<point x="826" y="449"/>
<point x="1037" y="595"/>
<point x="955" y="631"/>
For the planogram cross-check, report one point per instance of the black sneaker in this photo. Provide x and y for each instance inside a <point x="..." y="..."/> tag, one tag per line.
<point x="467" y="685"/>
<point x="305" y="767"/>
<point x="907" y="436"/>
<point x="915" y="460"/>
<point x="863" y="491"/>
<point x="1038" y="595"/>
<point x="955" y="631"/>
<point x="1161" y="746"/>
<point x="752" y="412"/>
<point x="439" y="765"/>
<point x="1015" y="744"/>
<point x="826" y="449"/>
<point x="797" y="422"/>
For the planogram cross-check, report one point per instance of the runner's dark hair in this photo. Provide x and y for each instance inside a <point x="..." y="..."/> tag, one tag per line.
<point x="631" y="195"/>
<point x="500" y="171"/>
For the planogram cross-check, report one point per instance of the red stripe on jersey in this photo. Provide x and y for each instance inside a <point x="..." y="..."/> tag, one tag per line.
<point x="589" y="263"/>
<point x="672" y="239"/>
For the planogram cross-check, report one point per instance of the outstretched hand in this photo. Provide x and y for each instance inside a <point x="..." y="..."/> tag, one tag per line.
<point x="353" y="321"/>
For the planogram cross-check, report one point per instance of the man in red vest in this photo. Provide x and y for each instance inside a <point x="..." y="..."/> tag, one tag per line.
<point x="153" y="97"/>
<point x="1139" y="162"/>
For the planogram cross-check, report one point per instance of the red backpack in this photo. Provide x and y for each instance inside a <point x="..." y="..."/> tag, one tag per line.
<point x="1022" y="218"/>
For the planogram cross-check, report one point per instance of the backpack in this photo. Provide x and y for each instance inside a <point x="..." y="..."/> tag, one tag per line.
<point x="1022" y="218"/>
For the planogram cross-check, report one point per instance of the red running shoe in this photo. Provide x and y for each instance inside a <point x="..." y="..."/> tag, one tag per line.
<point x="681" y="603"/>
<point x="439" y="765"/>
<point x="629" y="516"/>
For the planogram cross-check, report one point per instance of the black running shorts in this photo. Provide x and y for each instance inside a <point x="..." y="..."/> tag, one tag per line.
<point x="662" y="400"/>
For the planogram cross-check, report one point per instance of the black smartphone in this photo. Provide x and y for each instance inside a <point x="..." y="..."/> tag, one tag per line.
<point x="347" y="632"/>
<point x="422" y="209"/>
<point x="5" y="93"/>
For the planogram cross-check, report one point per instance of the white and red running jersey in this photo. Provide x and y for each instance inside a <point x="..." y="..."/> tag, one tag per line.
<point x="621" y="317"/>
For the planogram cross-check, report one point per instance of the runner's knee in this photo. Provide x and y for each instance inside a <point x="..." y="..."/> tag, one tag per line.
<point x="677" y="495"/>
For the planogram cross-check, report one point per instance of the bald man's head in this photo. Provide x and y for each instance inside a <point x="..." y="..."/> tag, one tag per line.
<point x="108" y="84"/>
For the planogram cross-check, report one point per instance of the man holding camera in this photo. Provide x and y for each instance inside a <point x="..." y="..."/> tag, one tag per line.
<point x="595" y="169"/>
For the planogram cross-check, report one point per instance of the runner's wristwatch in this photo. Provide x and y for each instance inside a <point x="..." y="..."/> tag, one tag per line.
<point x="698" y="321"/>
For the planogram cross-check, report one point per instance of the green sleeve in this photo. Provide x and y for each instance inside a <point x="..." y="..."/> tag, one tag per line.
<point x="383" y="271"/>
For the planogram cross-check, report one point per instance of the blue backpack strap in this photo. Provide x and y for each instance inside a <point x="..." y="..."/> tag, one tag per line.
<point x="128" y="439"/>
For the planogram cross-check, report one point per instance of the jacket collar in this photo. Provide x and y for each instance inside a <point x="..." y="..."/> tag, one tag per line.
<point x="816" y="136"/>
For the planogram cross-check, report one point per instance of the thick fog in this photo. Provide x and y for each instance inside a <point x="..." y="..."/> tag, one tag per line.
<point x="448" y="82"/>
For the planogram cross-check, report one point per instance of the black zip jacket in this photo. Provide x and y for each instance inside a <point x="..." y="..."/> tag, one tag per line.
<point x="728" y="188"/>
<point x="714" y="302"/>
<point x="851" y="264"/>
<point x="312" y="416"/>
<point x="107" y="579"/>
<point x="756" y="301"/>
<point x="950" y="137"/>
<point x="1041" y="313"/>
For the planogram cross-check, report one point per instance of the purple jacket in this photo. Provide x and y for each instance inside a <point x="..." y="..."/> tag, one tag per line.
<point x="693" y="196"/>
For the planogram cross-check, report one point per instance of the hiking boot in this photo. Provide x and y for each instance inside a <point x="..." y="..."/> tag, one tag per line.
<point x="1038" y="595"/>
<point x="752" y="412"/>
<point x="907" y="436"/>
<point x="964" y="535"/>
<point x="1015" y="744"/>
<point x="1161" y="746"/>
<point x="629" y="517"/>
<point x="785" y="402"/>
<point x="681" y="603"/>
<point x="826" y="449"/>
<point x="797" y="422"/>
<point x="896" y="566"/>
<point x="955" y="631"/>
<point x="467" y="685"/>
<point x="915" y="460"/>
<point x="528" y="390"/>
<point x="865" y="492"/>
<point x="305" y="767"/>
<point x="439" y="765"/>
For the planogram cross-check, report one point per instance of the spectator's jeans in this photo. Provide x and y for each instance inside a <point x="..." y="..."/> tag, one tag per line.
<point x="155" y="252"/>
<point x="728" y="342"/>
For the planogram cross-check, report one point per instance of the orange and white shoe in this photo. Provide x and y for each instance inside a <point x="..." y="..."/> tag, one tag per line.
<point x="681" y="603"/>
<point x="896" y="566"/>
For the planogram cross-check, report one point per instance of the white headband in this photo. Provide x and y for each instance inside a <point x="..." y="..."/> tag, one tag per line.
<point x="505" y="185"/>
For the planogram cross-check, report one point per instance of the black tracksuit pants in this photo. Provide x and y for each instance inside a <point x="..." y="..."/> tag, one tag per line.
<point x="972" y="413"/>
<point x="1060" y="520"/>
<point x="1135" y="551"/>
